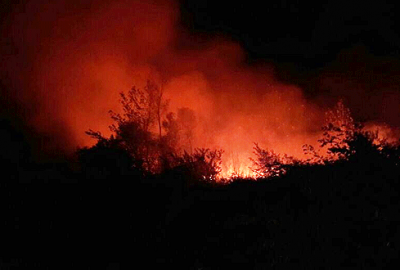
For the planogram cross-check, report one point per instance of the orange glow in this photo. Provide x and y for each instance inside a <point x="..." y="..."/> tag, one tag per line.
<point x="86" y="57"/>
<point x="236" y="164"/>
<point x="81" y="58"/>
<point x="384" y="132"/>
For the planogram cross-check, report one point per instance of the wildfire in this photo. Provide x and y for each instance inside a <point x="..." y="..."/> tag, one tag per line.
<point x="85" y="57"/>
<point x="236" y="165"/>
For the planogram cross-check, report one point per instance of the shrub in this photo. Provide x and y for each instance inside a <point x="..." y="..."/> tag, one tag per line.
<point x="201" y="166"/>
<point x="270" y="164"/>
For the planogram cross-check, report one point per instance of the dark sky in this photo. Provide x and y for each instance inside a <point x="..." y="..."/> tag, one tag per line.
<point x="300" y="38"/>
<point x="307" y="33"/>
<point x="297" y="36"/>
<point x="330" y="49"/>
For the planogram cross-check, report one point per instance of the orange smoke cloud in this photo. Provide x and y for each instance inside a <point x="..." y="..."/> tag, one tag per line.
<point x="78" y="57"/>
<point x="70" y="59"/>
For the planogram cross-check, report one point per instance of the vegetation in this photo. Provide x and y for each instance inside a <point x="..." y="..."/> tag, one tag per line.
<point x="143" y="195"/>
<point x="145" y="152"/>
<point x="269" y="164"/>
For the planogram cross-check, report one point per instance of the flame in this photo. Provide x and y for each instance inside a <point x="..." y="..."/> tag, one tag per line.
<point x="384" y="132"/>
<point x="72" y="60"/>
<point x="86" y="56"/>
<point x="236" y="165"/>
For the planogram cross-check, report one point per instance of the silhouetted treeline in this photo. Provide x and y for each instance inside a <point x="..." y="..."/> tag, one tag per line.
<point x="106" y="208"/>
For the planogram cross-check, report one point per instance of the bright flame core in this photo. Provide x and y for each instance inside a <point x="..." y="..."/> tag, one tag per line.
<point x="74" y="59"/>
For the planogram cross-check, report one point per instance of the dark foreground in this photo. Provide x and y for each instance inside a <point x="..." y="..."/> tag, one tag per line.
<point x="328" y="217"/>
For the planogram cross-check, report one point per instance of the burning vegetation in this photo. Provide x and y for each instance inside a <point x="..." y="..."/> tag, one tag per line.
<point x="212" y="157"/>
<point x="156" y="141"/>
<point x="207" y="94"/>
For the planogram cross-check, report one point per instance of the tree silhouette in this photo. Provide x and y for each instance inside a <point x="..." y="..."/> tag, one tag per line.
<point x="270" y="164"/>
<point x="143" y="107"/>
<point x="345" y="140"/>
<point x="106" y="159"/>
<point x="135" y="132"/>
<point x="201" y="166"/>
<point x="132" y="130"/>
<point x="339" y="128"/>
<point x="180" y="130"/>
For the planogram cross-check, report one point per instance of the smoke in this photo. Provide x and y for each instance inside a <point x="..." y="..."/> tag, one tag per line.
<point x="65" y="62"/>
<point x="370" y="84"/>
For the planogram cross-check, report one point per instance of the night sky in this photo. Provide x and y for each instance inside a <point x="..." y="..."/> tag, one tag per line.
<point x="331" y="50"/>
<point x="254" y="80"/>
<point x="297" y="36"/>
<point x="305" y="39"/>
<point x="305" y="33"/>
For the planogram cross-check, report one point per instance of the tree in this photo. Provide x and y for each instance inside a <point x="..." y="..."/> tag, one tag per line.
<point x="180" y="130"/>
<point x="106" y="159"/>
<point x="132" y="130"/>
<point x="345" y="139"/>
<point x="135" y="132"/>
<point x="201" y="166"/>
<point x="339" y="128"/>
<point x="143" y="107"/>
<point x="269" y="164"/>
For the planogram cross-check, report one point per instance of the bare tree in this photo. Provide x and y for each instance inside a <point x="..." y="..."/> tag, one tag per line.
<point x="142" y="111"/>
<point x="339" y="128"/>
<point x="145" y="107"/>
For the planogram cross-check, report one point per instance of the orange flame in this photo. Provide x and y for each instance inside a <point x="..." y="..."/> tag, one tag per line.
<point x="75" y="59"/>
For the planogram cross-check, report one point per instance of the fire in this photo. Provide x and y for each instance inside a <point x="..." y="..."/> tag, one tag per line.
<point x="236" y="165"/>
<point x="384" y="132"/>
<point x="75" y="64"/>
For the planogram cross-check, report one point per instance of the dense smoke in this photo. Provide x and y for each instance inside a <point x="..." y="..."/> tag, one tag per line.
<point x="65" y="62"/>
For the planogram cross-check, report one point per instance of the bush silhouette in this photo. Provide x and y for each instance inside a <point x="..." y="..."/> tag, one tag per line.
<point x="106" y="160"/>
<point x="150" y="153"/>
<point x="202" y="166"/>
<point x="270" y="164"/>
